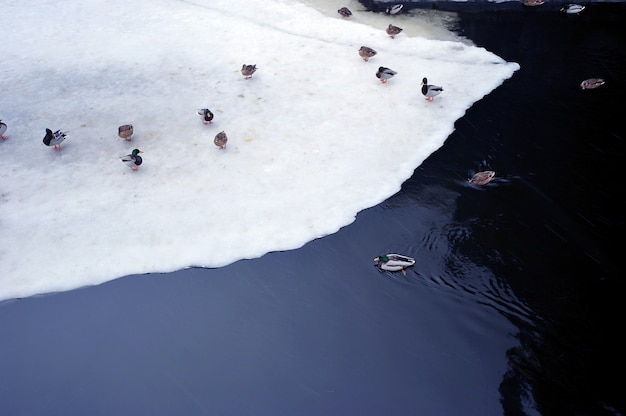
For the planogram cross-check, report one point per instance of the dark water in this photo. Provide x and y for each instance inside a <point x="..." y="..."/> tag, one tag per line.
<point x="513" y="307"/>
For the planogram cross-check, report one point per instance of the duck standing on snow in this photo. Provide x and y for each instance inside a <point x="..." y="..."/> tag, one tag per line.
<point x="133" y="160"/>
<point x="572" y="8"/>
<point x="54" y="139"/>
<point x="207" y="115"/>
<point x="3" y="128"/>
<point x="430" y="91"/>
<point x="344" y="12"/>
<point x="220" y="140"/>
<point x="366" y="53"/>
<point x="383" y="74"/>
<point x="395" y="9"/>
<point x="125" y="132"/>
<point x="394" y="262"/>
<point x="392" y="31"/>
<point x="248" y="70"/>
<point x="591" y="83"/>
<point x="482" y="178"/>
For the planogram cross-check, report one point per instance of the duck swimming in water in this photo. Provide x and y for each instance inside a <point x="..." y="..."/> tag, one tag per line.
<point x="591" y="83"/>
<point x="392" y="31"/>
<point x="482" y="178"/>
<point x="3" y="129"/>
<point x="366" y="53"/>
<point x="395" y="9"/>
<point x="344" y="12"/>
<point x="430" y="91"/>
<point x="383" y="74"/>
<point x="220" y="140"/>
<point x="125" y="132"/>
<point x="133" y="160"/>
<point x="572" y="8"/>
<point x="394" y="262"/>
<point x="248" y="70"/>
<point x="207" y="115"/>
<point x="54" y="139"/>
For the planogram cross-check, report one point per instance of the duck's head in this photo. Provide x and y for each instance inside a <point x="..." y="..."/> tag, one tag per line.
<point x="382" y="258"/>
<point x="424" y="81"/>
<point x="135" y="152"/>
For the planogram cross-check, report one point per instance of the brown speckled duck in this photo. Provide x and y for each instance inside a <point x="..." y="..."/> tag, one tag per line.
<point x="392" y="31"/>
<point x="125" y="132"/>
<point x="220" y="140"/>
<point x="592" y="83"/>
<point x="366" y="53"/>
<point x="248" y="70"/>
<point x="482" y="178"/>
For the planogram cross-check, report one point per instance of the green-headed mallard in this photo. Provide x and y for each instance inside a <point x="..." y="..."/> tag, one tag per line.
<point x="591" y="83"/>
<point x="383" y="74"/>
<point x="344" y="12"/>
<point x="572" y="8"/>
<point x="395" y="9"/>
<point x="54" y="139"/>
<point x="248" y="70"/>
<point x="394" y="262"/>
<point x="125" y="132"/>
<point x="3" y="129"/>
<point x="207" y="115"/>
<point x="482" y="178"/>
<point x="366" y="53"/>
<point x="133" y="160"/>
<point x="220" y="140"/>
<point x="430" y="91"/>
<point x="393" y="30"/>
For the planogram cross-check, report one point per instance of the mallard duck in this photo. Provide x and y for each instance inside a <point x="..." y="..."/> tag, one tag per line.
<point x="572" y="8"/>
<point x="394" y="262"/>
<point x="591" y="83"/>
<point x="54" y="139"/>
<point x="395" y="9"/>
<point x="207" y="115"/>
<point x="383" y="74"/>
<point x="133" y="160"/>
<point x="366" y="53"/>
<point x="3" y="128"/>
<point x="248" y="70"/>
<point x="393" y="31"/>
<point x="532" y="3"/>
<point x="125" y="132"/>
<point x="220" y="140"/>
<point x="482" y="178"/>
<point x="344" y="12"/>
<point x="430" y="91"/>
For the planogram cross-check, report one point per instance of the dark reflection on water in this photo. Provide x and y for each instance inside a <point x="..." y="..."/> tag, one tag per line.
<point x="538" y="243"/>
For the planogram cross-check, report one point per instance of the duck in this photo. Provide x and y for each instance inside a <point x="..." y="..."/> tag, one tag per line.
<point x="395" y="9"/>
<point x="591" y="83"/>
<point x="133" y="160"/>
<point x="392" y="31"/>
<point x="207" y="115"/>
<point x="482" y="178"/>
<point x="344" y="12"/>
<point x="532" y="3"/>
<point x="220" y="140"/>
<point x="572" y="8"/>
<point x="430" y="91"/>
<point x="366" y="53"/>
<point x="248" y="70"/>
<point x="383" y="74"/>
<point x="3" y="129"/>
<point x="394" y="262"/>
<point x="125" y="131"/>
<point x="54" y="139"/>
